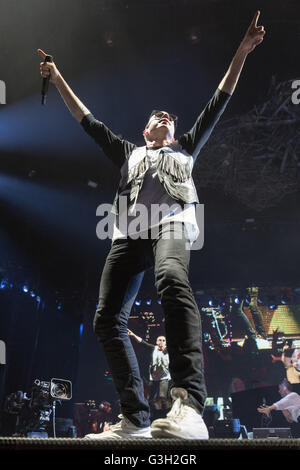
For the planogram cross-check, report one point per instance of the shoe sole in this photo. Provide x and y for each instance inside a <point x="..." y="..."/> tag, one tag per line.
<point x="163" y="433"/>
<point x="167" y="434"/>
<point x="114" y="438"/>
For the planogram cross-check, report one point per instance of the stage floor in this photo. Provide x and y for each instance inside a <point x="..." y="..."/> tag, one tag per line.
<point x="143" y="448"/>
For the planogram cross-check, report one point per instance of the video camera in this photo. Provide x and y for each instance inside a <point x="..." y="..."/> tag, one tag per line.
<point x="34" y="410"/>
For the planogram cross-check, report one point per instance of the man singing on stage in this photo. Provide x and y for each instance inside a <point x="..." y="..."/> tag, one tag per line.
<point x="158" y="372"/>
<point x="151" y="175"/>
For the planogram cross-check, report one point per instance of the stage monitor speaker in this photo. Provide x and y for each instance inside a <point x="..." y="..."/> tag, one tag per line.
<point x="266" y="433"/>
<point x="227" y="428"/>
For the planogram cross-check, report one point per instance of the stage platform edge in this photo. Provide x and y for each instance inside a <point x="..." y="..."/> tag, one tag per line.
<point x="158" y="446"/>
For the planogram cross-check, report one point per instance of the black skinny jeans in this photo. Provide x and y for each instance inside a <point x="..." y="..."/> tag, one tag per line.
<point x="119" y="286"/>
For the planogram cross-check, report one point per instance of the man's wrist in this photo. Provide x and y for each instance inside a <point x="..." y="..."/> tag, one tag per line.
<point x="244" y="48"/>
<point x="58" y="80"/>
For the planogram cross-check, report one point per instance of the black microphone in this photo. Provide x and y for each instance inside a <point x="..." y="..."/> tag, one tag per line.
<point x="45" y="83"/>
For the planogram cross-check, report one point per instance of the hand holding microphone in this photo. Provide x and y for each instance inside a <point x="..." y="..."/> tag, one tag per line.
<point x="48" y="71"/>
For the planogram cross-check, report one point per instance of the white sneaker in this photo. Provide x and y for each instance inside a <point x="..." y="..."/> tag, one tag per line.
<point x="124" y="429"/>
<point x="183" y="421"/>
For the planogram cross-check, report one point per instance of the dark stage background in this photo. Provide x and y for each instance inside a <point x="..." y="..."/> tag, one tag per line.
<point x="123" y="59"/>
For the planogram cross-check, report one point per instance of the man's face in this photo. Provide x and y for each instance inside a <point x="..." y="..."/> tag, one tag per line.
<point x="161" y="342"/>
<point x="160" y="125"/>
<point x="282" y="390"/>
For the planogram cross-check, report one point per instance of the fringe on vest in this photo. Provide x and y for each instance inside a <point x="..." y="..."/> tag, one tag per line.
<point x="137" y="171"/>
<point x="170" y="166"/>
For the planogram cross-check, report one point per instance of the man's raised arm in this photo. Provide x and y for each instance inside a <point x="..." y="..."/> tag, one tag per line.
<point x="254" y="36"/>
<point x="115" y="148"/>
<point x="197" y="136"/>
<point x="76" y="107"/>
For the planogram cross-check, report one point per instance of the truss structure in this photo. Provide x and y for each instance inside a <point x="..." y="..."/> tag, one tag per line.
<point x="255" y="157"/>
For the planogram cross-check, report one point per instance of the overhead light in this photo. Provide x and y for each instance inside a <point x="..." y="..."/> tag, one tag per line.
<point x="109" y="38"/>
<point x="283" y="300"/>
<point x="92" y="184"/>
<point x="194" y="35"/>
<point x="3" y="283"/>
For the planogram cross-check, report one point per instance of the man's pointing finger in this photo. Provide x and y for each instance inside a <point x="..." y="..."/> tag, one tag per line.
<point x="256" y="17"/>
<point x="253" y="23"/>
<point x="42" y="53"/>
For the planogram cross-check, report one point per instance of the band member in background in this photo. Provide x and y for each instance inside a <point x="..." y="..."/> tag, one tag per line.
<point x="291" y="363"/>
<point x="104" y="417"/>
<point x="90" y="418"/>
<point x="289" y="405"/>
<point x="159" y="373"/>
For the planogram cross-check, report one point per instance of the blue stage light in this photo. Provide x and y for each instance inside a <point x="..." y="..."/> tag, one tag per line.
<point x="138" y="302"/>
<point x="3" y="284"/>
<point x="148" y="302"/>
<point x="285" y="300"/>
<point x="236" y="300"/>
<point x="25" y="289"/>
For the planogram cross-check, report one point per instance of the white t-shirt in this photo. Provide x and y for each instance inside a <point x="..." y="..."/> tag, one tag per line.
<point x="159" y="365"/>
<point x="153" y="193"/>
<point x="290" y="402"/>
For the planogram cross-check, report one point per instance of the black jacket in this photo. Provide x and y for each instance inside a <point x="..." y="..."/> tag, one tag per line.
<point x="175" y="162"/>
